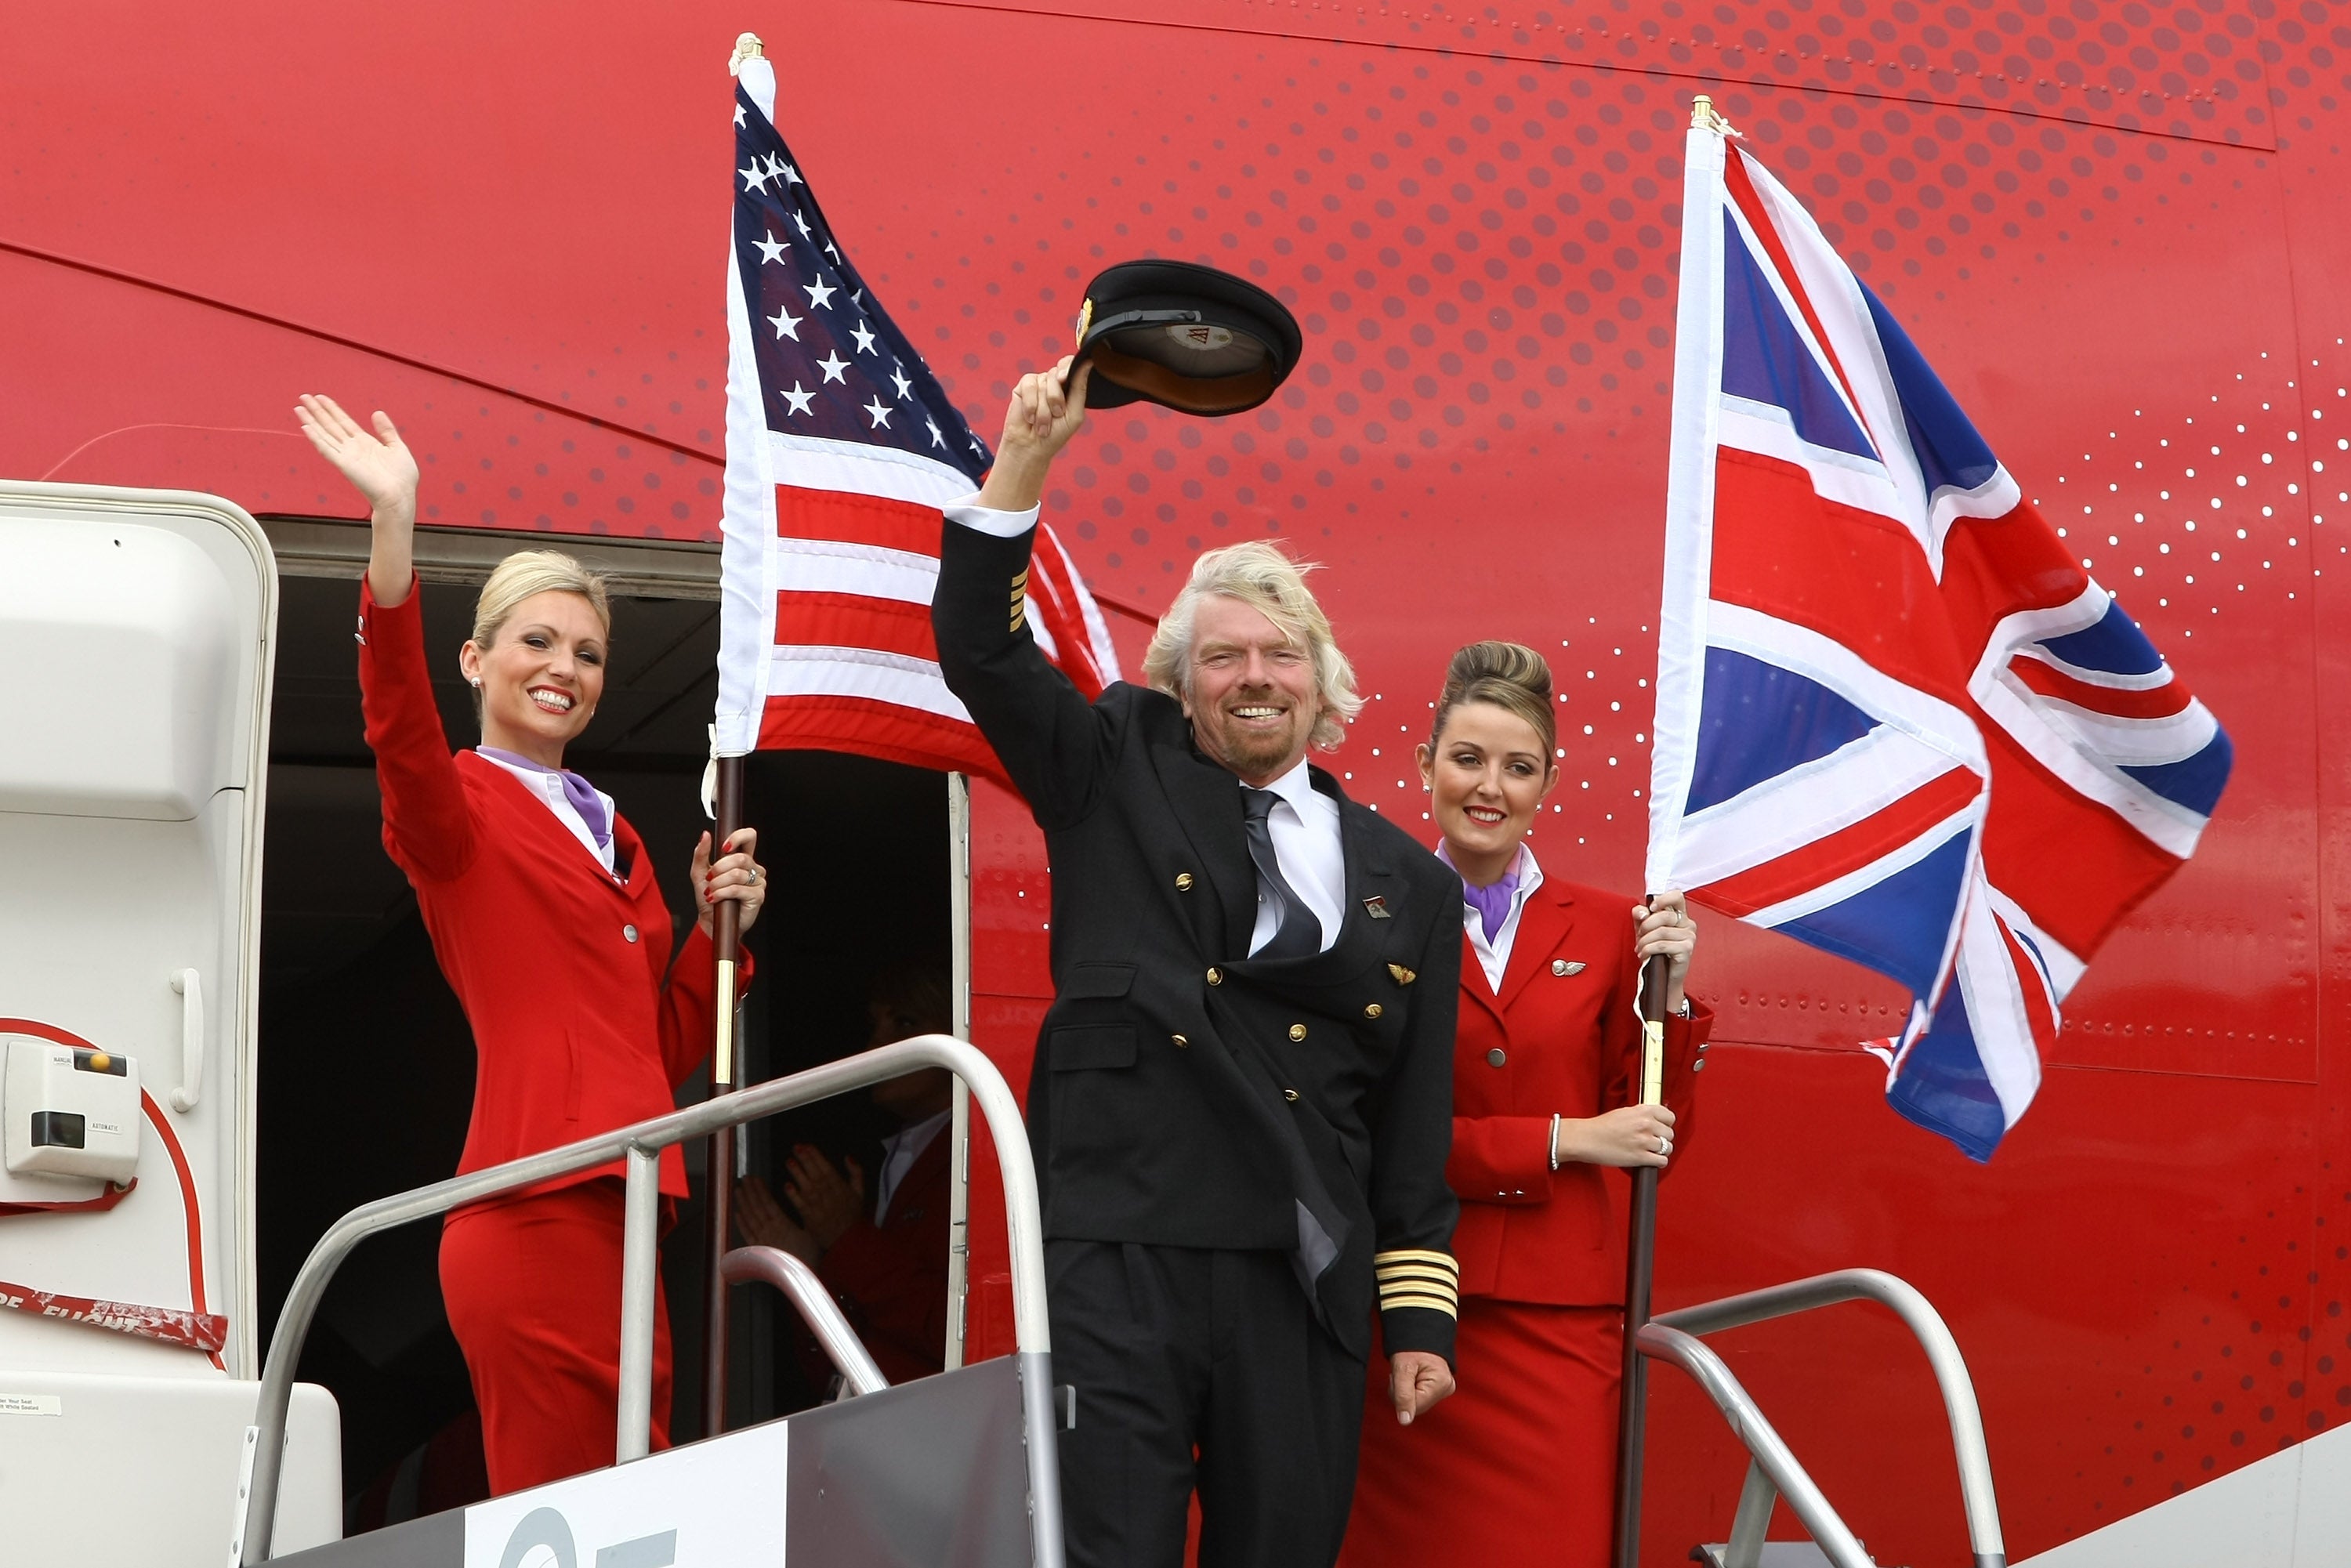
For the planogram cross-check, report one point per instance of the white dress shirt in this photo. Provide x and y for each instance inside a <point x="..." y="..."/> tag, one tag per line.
<point x="899" y="1150"/>
<point x="1494" y="957"/>
<point x="548" y="787"/>
<point x="1304" y="822"/>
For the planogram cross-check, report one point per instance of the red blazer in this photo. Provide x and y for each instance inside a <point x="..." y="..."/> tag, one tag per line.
<point x="581" y="1022"/>
<point x="891" y="1279"/>
<point x="1552" y="1043"/>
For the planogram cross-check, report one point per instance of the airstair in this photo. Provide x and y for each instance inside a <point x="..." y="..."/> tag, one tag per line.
<point x="956" y="1470"/>
<point x="1772" y="1471"/>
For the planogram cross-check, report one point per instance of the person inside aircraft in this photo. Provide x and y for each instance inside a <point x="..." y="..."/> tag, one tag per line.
<point x="879" y="1245"/>
<point x="546" y="917"/>
<point x="1520" y="1466"/>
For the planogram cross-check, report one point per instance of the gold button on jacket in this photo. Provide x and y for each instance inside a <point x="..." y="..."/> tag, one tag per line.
<point x="1183" y="882"/>
<point x="1298" y="1032"/>
<point x="1290" y="1095"/>
<point x="1373" y="1010"/>
<point x="1216" y="977"/>
<point x="1180" y="1041"/>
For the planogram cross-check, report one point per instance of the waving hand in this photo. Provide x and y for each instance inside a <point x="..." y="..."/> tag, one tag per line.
<point x="382" y="468"/>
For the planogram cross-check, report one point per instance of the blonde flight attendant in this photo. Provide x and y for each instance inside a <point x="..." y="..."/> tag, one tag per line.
<point x="546" y="918"/>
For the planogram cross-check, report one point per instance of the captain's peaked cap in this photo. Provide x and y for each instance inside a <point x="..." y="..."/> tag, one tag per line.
<point x="1190" y="336"/>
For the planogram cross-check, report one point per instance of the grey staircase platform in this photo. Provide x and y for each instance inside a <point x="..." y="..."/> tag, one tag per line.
<point x="929" y="1474"/>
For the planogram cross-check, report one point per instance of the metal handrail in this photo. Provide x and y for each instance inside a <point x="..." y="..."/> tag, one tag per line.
<point x="1934" y="1337"/>
<point x="798" y="1282"/>
<point x="641" y="1144"/>
<point x="1771" y="1452"/>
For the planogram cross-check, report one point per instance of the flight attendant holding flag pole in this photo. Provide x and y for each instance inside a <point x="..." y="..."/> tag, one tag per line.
<point x="547" y="919"/>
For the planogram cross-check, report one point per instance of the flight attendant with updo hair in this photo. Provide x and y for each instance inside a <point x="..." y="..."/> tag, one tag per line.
<point x="1520" y="1465"/>
<point x="547" y="920"/>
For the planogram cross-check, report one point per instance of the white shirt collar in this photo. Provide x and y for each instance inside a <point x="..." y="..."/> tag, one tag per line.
<point x="1297" y="787"/>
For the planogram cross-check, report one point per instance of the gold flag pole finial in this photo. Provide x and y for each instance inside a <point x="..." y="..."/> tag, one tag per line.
<point x="1704" y="117"/>
<point x="747" y="46"/>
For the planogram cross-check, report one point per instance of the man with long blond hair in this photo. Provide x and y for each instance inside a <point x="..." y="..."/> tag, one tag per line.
<point x="1241" y="1103"/>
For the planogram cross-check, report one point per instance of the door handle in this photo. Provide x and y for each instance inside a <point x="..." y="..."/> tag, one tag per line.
<point x="192" y="1040"/>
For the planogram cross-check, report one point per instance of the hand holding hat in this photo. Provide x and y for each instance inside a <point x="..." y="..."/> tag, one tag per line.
<point x="1172" y="332"/>
<point x="1048" y="408"/>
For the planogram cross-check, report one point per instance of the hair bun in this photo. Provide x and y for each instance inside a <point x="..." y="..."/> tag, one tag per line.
<point x="1513" y="663"/>
<point x="1510" y="676"/>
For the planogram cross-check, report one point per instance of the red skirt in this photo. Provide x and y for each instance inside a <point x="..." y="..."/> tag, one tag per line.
<point x="533" y="1288"/>
<point x="1519" y="1466"/>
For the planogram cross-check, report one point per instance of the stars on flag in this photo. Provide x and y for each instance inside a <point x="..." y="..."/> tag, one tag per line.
<point x="826" y="343"/>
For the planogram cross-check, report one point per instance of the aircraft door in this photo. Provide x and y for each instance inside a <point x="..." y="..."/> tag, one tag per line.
<point x="136" y="632"/>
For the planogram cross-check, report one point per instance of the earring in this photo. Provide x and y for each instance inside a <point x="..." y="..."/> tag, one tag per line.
<point x="477" y="683"/>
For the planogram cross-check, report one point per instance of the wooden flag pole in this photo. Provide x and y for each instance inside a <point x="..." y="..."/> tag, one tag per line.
<point x="1640" y="1257"/>
<point x="724" y="1076"/>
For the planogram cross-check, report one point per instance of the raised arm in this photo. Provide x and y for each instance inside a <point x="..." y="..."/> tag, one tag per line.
<point x="427" y="824"/>
<point x="382" y="468"/>
<point x="1050" y="738"/>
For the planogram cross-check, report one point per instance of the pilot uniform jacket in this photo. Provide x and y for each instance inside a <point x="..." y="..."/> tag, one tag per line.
<point x="582" y="1021"/>
<point x="1185" y="1094"/>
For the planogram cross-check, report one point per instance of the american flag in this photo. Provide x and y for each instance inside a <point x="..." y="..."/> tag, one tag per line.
<point x="841" y="448"/>
<point x="1896" y="719"/>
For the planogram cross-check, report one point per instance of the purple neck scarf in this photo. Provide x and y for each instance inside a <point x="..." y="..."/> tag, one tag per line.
<point x="576" y="790"/>
<point x="1492" y="902"/>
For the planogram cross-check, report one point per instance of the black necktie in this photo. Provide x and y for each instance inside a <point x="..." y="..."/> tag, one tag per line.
<point x="1296" y="933"/>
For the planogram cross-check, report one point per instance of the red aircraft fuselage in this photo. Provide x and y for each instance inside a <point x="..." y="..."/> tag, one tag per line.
<point x="2117" y="230"/>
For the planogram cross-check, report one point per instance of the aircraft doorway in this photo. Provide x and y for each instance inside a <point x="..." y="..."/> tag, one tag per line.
<point x="366" y="1064"/>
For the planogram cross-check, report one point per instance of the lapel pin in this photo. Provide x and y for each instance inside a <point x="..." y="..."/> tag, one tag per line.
<point x="1376" y="907"/>
<point x="1566" y="966"/>
<point x="1403" y="977"/>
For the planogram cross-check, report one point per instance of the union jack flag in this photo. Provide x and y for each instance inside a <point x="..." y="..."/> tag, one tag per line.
<point x="1895" y="719"/>
<point x="841" y="448"/>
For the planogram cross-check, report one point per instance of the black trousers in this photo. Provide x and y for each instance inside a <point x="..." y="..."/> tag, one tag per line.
<point x="1173" y="1350"/>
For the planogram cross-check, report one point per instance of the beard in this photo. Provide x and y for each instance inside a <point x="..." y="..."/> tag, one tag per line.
<point x="1252" y="752"/>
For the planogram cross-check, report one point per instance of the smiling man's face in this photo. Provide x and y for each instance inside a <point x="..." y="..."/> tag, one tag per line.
<point x="1252" y="701"/>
